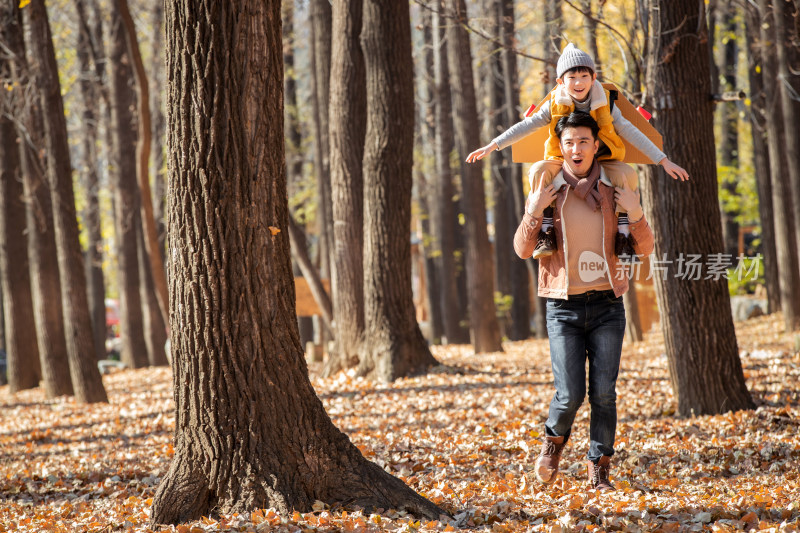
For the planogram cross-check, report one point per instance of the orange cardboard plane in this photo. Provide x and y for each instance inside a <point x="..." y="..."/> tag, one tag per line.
<point x="531" y="148"/>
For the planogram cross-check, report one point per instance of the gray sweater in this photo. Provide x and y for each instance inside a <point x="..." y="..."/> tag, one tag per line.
<point x="541" y="118"/>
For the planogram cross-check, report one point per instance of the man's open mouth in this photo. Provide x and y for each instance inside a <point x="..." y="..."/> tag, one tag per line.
<point x="577" y="160"/>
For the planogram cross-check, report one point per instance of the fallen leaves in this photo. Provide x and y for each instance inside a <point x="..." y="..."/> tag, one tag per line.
<point x="465" y="436"/>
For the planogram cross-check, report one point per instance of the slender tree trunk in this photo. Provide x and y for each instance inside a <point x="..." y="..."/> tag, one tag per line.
<point x="45" y="285"/>
<point x="782" y="201"/>
<point x="590" y="34"/>
<point x="294" y="139"/>
<point x="22" y="349"/>
<point x="134" y="348"/>
<point x="515" y="201"/>
<point x="425" y="186"/>
<point x="553" y="26"/>
<point x="154" y="329"/>
<point x="91" y="214"/>
<point x="393" y="345"/>
<point x="444" y="222"/>
<point x="729" y="145"/>
<point x="86" y="380"/>
<point x="246" y="410"/>
<point x="348" y="110"/>
<point x="300" y="252"/>
<point x="143" y="158"/>
<point x="761" y="162"/>
<point x="483" y="321"/>
<point x="633" y="322"/>
<point x="158" y="141"/>
<point x="698" y="328"/>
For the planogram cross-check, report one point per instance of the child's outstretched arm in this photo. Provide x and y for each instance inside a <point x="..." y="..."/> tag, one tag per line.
<point x="480" y="153"/>
<point x="676" y="171"/>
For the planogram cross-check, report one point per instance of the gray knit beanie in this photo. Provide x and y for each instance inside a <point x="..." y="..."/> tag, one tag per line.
<point x="573" y="57"/>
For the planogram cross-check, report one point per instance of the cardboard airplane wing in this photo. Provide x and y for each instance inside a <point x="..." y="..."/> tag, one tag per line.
<point x="531" y="148"/>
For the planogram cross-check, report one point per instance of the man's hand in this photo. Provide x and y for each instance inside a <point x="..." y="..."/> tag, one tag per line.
<point x="539" y="199"/>
<point x="480" y="153"/>
<point x="674" y="170"/>
<point x="628" y="200"/>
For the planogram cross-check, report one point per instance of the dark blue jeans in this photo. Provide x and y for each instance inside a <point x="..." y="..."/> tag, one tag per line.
<point x="586" y="326"/>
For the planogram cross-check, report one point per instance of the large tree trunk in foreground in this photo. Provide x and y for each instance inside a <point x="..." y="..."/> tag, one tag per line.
<point x="44" y="277"/>
<point x="22" y="350"/>
<point x="250" y="432"/>
<point x="348" y="106"/>
<point x="393" y="343"/>
<point x="696" y="314"/>
<point x="126" y="206"/>
<point x="483" y="320"/>
<point x="86" y="380"/>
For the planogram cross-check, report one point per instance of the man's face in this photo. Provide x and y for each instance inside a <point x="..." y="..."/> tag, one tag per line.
<point x="578" y="84"/>
<point x="578" y="147"/>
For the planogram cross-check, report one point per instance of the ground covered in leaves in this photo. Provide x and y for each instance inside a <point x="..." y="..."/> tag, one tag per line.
<point x="465" y="436"/>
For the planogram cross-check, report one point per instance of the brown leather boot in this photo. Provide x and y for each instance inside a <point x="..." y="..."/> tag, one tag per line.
<point x="546" y="469"/>
<point x="598" y="474"/>
<point x="545" y="244"/>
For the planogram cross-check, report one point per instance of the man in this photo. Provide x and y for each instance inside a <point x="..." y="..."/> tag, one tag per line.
<point x="583" y="283"/>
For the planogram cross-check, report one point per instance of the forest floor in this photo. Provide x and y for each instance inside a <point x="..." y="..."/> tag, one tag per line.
<point x="466" y="437"/>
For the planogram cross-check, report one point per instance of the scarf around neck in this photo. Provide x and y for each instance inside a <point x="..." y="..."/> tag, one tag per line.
<point x="586" y="187"/>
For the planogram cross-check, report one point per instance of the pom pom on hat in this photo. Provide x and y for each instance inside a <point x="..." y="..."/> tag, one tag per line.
<point x="573" y="57"/>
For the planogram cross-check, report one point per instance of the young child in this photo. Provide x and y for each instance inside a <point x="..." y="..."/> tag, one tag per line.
<point x="577" y="89"/>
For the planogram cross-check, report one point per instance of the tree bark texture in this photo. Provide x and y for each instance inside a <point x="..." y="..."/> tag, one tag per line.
<point x="143" y="158"/>
<point x="782" y="199"/>
<point x="21" y="344"/>
<point x="153" y="327"/>
<point x="698" y="328"/>
<point x="444" y="222"/>
<point x="484" y="327"/>
<point x="348" y="116"/>
<point x="761" y="162"/>
<point x="393" y="344"/>
<point x="126" y="205"/>
<point x="89" y="86"/>
<point x="250" y="432"/>
<point x="86" y="380"/>
<point x="43" y="260"/>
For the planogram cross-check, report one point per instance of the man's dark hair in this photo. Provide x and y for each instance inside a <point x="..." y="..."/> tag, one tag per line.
<point x="577" y="119"/>
<point x="577" y="70"/>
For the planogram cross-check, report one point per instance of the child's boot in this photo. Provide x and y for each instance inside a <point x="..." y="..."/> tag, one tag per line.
<point x="623" y="242"/>
<point x="546" y="240"/>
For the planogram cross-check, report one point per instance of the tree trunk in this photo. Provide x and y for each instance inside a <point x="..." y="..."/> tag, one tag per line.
<point x="300" y="252"/>
<point x="143" y="158"/>
<point x="590" y="34"/>
<point x="134" y="348"/>
<point x="22" y="350"/>
<point x="444" y="226"/>
<point x="782" y="201"/>
<point x="91" y="214"/>
<point x="553" y="26"/>
<point x="348" y="109"/>
<point x="45" y="285"/>
<point x="761" y="162"/>
<point x="633" y="322"/>
<point x="483" y="321"/>
<point x="515" y="201"/>
<point x="729" y="145"/>
<point x="393" y="344"/>
<point x="698" y="328"/>
<point x="86" y="380"/>
<point x="246" y="410"/>
<point x="157" y="112"/>
<point x="425" y="186"/>
<point x="321" y="22"/>
<point x="153" y="327"/>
